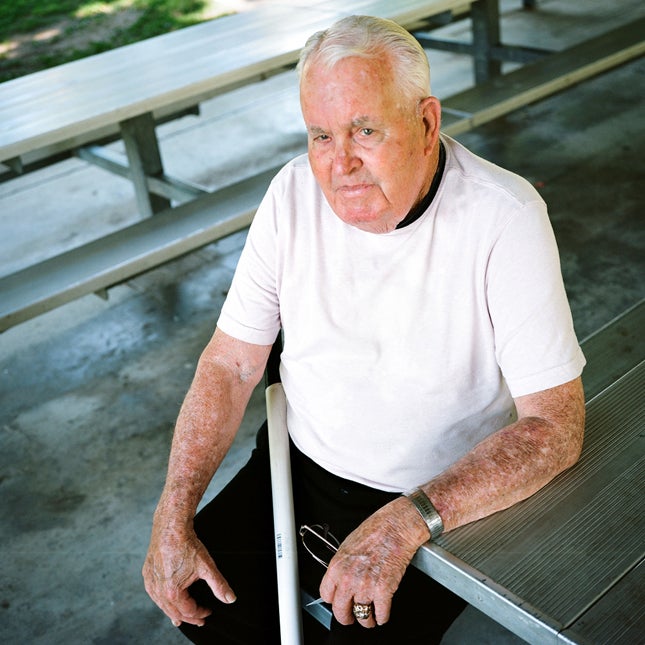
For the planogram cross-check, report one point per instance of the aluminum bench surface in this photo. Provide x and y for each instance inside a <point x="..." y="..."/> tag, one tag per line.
<point x="72" y="103"/>
<point x="565" y="565"/>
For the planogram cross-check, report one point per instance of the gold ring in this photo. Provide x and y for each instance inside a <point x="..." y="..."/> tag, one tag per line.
<point x="361" y="611"/>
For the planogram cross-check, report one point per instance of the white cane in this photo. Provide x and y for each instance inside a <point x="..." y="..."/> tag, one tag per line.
<point x="286" y="553"/>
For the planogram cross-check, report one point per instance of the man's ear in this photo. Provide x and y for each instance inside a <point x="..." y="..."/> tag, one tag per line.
<point x="430" y="111"/>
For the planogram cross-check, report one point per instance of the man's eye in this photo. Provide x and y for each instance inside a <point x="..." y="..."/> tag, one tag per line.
<point x="367" y="131"/>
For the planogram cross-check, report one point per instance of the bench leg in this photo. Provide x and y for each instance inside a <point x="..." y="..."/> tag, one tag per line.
<point x="485" y="21"/>
<point x="144" y="158"/>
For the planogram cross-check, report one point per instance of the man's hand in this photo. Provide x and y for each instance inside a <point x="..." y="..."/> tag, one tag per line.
<point x="369" y="565"/>
<point x="227" y="373"/>
<point x="175" y="560"/>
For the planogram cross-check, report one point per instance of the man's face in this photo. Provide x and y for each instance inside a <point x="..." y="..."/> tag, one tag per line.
<point x="372" y="152"/>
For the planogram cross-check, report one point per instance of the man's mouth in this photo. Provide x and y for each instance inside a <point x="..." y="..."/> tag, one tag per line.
<point x="354" y="190"/>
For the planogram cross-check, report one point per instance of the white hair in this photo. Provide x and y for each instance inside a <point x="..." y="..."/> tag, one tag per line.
<point x="371" y="38"/>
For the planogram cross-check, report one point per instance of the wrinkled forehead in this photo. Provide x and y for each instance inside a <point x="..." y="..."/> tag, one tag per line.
<point x="355" y="89"/>
<point x="322" y="63"/>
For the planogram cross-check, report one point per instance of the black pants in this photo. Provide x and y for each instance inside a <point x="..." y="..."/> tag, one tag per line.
<point x="237" y="529"/>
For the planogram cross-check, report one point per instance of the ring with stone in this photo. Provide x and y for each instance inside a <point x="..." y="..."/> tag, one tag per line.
<point x="362" y="611"/>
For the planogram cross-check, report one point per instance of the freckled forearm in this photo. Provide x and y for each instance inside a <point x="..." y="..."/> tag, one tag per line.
<point x="206" y="426"/>
<point x="504" y="469"/>
<point x="204" y="430"/>
<point x="516" y="461"/>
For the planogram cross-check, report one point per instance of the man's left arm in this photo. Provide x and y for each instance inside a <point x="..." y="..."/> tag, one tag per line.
<point x="503" y="469"/>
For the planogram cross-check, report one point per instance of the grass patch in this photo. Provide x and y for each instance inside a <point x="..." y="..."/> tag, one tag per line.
<point x="36" y="34"/>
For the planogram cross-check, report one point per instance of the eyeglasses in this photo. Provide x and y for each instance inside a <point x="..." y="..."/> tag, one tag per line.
<point x="319" y="542"/>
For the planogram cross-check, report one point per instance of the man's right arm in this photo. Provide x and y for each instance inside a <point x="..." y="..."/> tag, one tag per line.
<point x="210" y="416"/>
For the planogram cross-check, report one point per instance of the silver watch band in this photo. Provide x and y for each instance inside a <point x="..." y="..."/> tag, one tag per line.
<point x="427" y="511"/>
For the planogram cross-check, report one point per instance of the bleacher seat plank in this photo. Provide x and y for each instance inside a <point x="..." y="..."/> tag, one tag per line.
<point x="535" y="81"/>
<point x="129" y="251"/>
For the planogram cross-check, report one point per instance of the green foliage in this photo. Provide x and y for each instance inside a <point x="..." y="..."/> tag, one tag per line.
<point x="160" y="16"/>
<point x="36" y="34"/>
<point x="20" y="16"/>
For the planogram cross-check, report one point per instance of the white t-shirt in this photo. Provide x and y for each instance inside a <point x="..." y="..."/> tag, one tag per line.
<point x="403" y="350"/>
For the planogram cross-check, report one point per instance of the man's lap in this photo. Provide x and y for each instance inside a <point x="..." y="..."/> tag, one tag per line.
<point x="237" y="529"/>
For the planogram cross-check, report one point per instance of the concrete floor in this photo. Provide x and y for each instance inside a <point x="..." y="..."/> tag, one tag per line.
<point x="89" y="392"/>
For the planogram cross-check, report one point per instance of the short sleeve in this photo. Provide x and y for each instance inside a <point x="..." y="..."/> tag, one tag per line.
<point x="535" y="342"/>
<point x="251" y="310"/>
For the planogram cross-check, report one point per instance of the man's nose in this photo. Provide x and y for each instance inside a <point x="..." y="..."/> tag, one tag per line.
<point x="345" y="158"/>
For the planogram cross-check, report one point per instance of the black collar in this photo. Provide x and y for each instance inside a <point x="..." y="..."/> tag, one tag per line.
<point x="422" y="206"/>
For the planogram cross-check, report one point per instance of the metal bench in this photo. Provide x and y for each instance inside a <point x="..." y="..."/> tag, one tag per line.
<point x="130" y="251"/>
<point x="71" y="109"/>
<point x="539" y="79"/>
<point x="565" y="565"/>
<point x="58" y="111"/>
<point x="243" y="54"/>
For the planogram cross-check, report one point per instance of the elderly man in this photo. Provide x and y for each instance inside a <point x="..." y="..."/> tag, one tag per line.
<point x="430" y="364"/>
